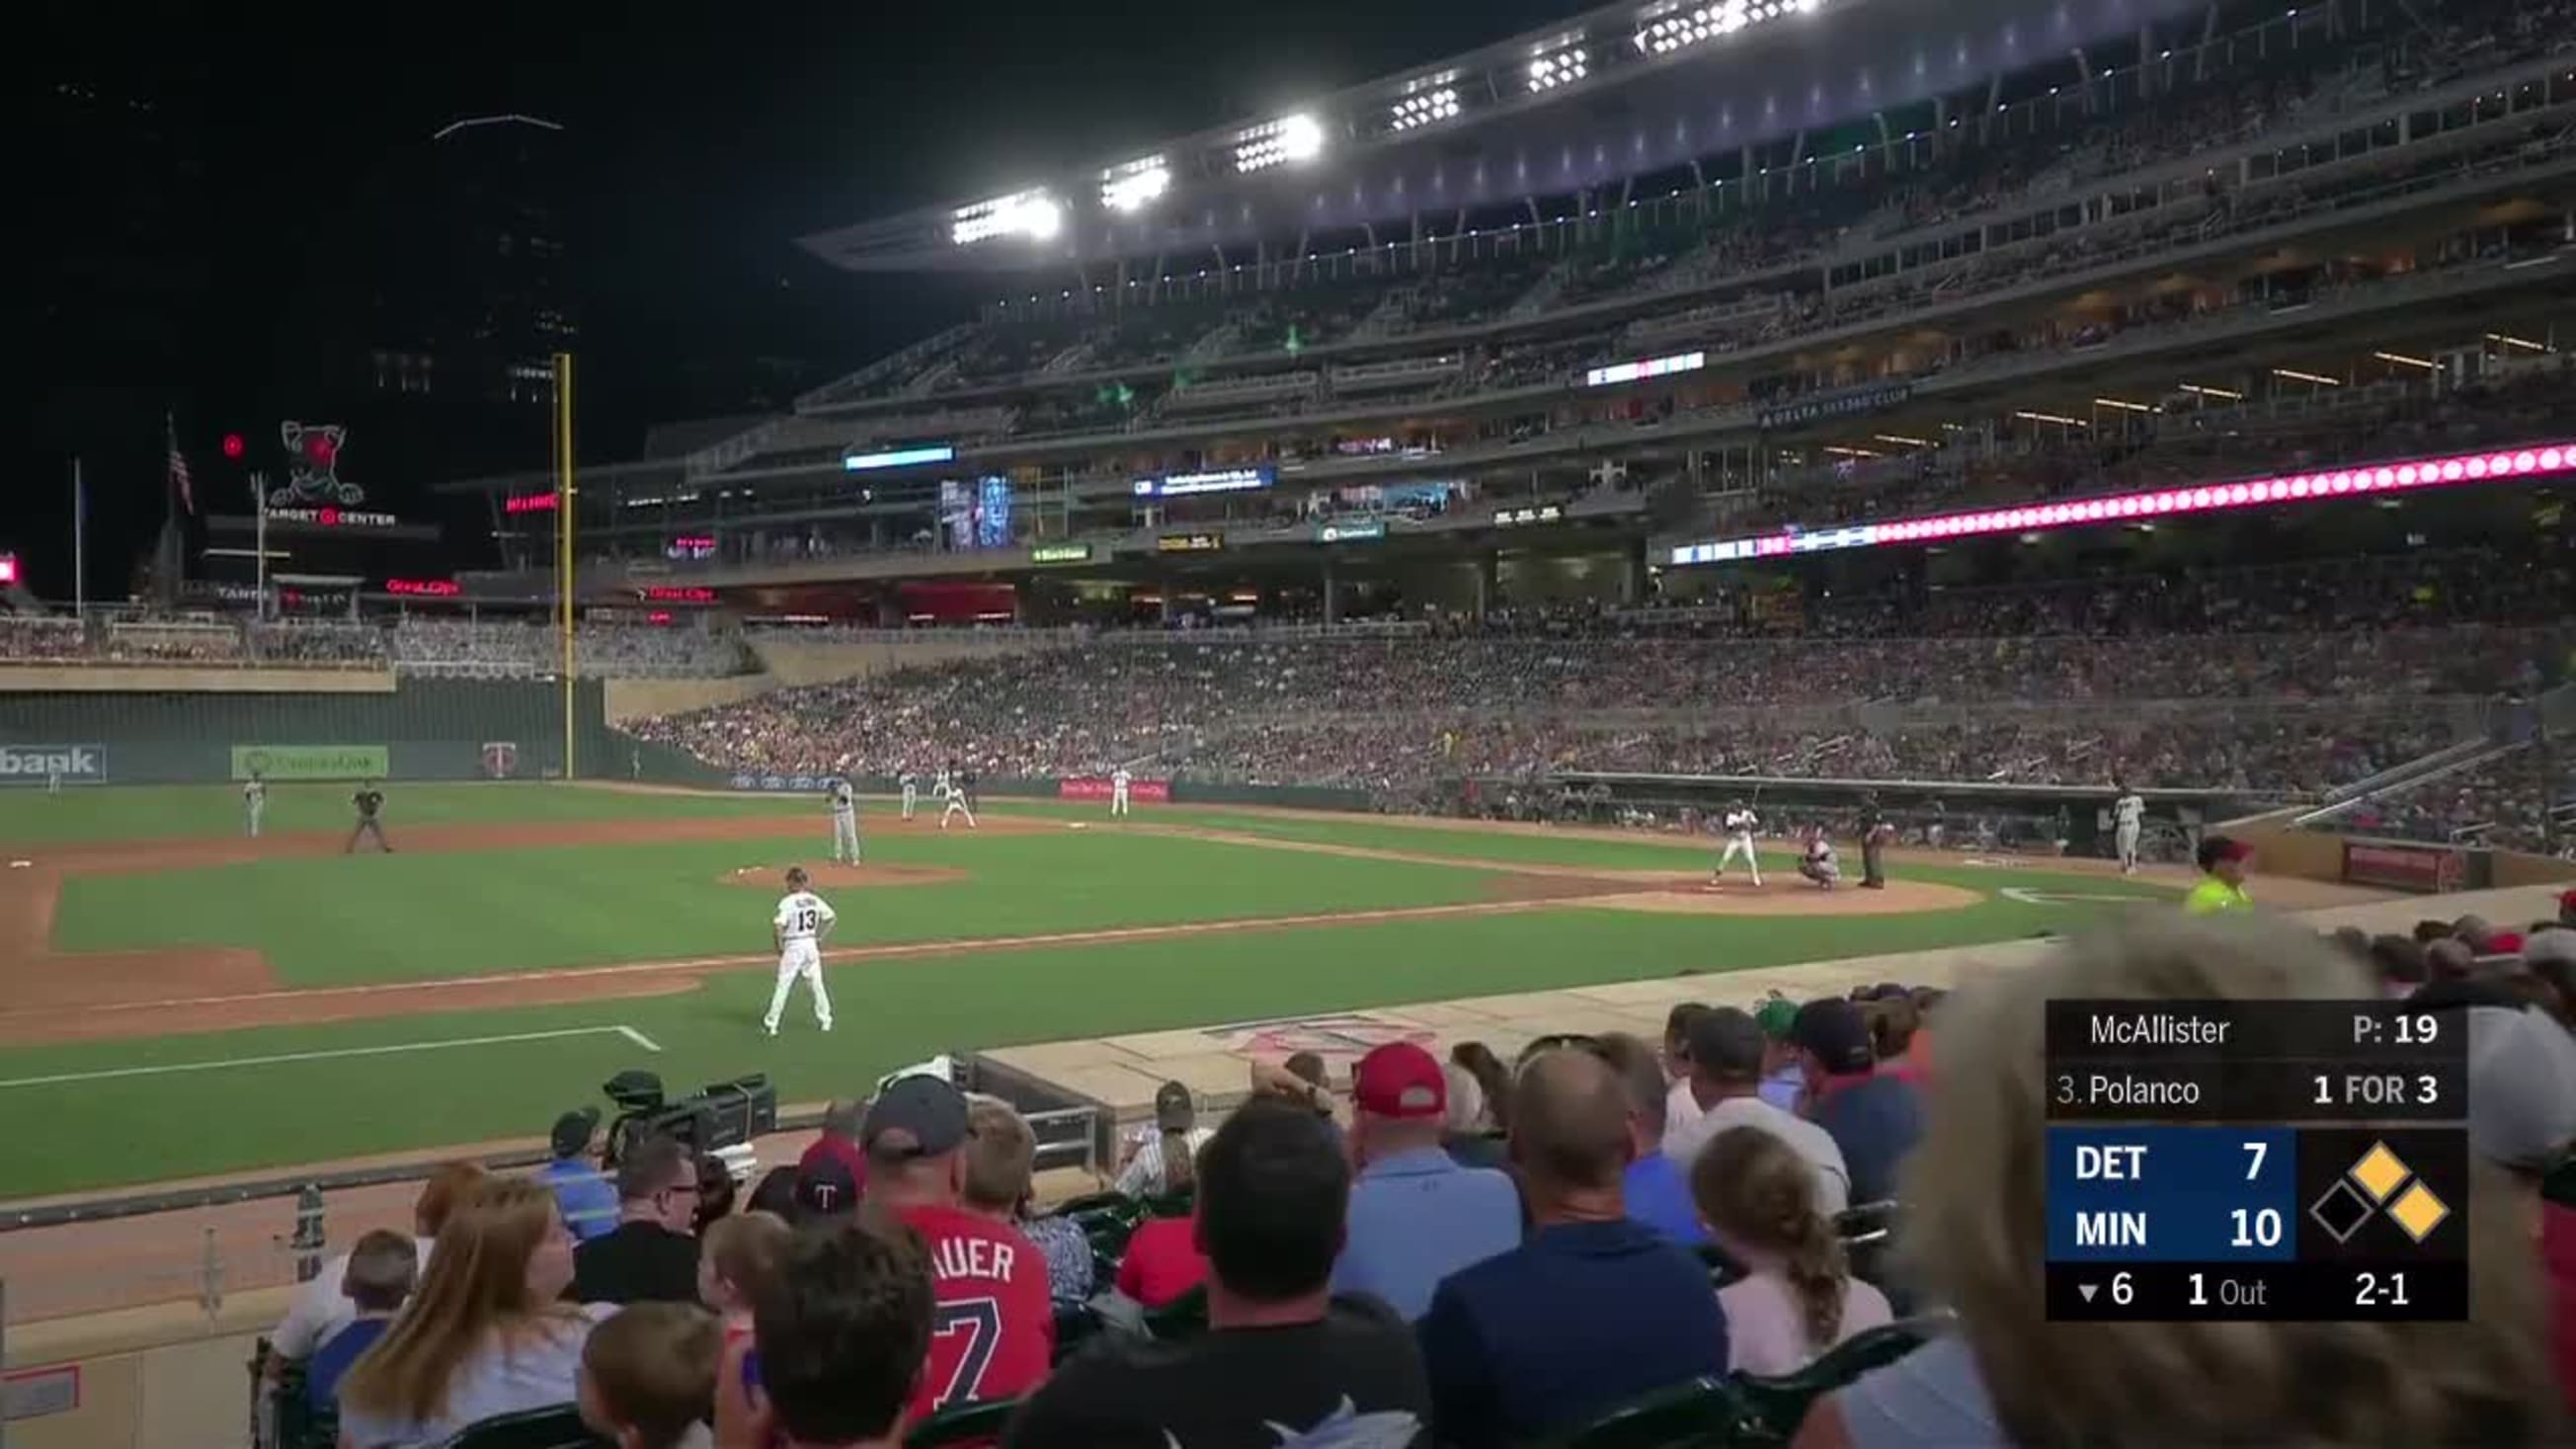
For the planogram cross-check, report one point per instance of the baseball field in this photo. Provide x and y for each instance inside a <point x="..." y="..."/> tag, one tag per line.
<point x="178" y="1001"/>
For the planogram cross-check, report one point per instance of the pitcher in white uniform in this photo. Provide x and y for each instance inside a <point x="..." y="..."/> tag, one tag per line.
<point x="845" y="822"/>
<point x="1739" y="825"/>
<point x="2128" y="819"/>
<point x="1118" y="782"/>
<point x="798" y="929"/>
<point x="911" y="784"/>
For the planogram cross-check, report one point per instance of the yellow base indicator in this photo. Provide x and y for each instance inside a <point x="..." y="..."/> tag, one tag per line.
<point x="2380" y="1172"/>
<point x="2419" y="1212"/>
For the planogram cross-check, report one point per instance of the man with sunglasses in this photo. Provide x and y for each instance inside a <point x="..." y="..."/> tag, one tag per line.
<point x="651" y="1256"/>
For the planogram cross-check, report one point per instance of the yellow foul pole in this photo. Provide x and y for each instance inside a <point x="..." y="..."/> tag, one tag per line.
<point x="564" y="513"/>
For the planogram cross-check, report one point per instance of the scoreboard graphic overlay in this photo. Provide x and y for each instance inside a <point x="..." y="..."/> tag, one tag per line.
<point x="2257" y="1160"/>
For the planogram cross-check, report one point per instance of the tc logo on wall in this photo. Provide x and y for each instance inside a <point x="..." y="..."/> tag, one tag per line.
<point x="500" y="760"/>
<point x="313" y="467"/>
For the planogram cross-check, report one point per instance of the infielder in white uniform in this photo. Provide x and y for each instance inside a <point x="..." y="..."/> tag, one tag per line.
<point x="254" y="803"/>
<point x="1739" y="825"/>
<point x="845" y="822"/>
<point x="798" y="929"/>
<point x="1820" y="864"/>
<point x="1118" y="781"/>
<point x="911" y="784"/>
<point x="2128" y="819"/>
<point x="947" y="788"/>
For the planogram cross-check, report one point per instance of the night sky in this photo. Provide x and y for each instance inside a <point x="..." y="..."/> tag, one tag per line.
<point x="702" y="145"/>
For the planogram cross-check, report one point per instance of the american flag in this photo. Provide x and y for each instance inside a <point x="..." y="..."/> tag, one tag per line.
<point x="179" y="467"/>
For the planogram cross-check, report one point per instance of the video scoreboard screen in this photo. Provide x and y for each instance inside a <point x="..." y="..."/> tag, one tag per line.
<point x="2257" y="1160"/>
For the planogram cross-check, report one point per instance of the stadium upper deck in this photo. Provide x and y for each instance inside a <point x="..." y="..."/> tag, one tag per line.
<point x="2095" y="253"/>
<point x="1596" y="101"/>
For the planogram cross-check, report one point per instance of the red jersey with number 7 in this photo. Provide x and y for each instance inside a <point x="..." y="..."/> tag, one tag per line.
<point x="992" y="1326"/>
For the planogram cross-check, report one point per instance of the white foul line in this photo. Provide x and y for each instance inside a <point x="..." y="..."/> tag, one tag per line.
<point x="639" y="1038"/>
<point x="396" y="1049"/>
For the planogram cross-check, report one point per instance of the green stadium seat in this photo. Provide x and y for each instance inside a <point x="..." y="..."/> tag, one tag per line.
<point x="1775" y="1406"/>
<point x="1075" y="1325"/>
<point x="962" y="1424"/>
<point x="1703" y="1412"/>
<point x="1868" y="1232"/>
<point x="557" y="1426"/>
<point x="1722" y="1269"/>
<point x="1107" y="1221"/>
<point x="1183" y="1317"/>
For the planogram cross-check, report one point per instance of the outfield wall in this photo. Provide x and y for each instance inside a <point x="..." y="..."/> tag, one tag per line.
<point x="422" y="729"/>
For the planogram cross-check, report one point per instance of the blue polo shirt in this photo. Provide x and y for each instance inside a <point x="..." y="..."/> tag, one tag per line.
<point x="1875" y="1120"/>
<point x="587" y="1200"/>
<point x="1659" y="1196"/>
<point x="1416" y="1217"/>
<point x="1548" y="1336"/>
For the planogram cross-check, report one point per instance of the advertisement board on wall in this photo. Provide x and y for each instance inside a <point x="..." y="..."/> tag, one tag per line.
<point x="53" y="764"/>
<point x="311" y="762"/>
<point x="2427" y="869"/>
<point x="1097" y="787"/>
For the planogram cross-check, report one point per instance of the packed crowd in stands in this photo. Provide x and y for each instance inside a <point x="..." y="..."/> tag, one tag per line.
<point x="1818" y="1220"/>
<point x="2512" y="802"/>
<point x="505" y="649"/>
<point x="1393" y="713"/>
<point x="35" y="638"/>
<point x="2023" y="462"/>
<point x="489" y="649"/>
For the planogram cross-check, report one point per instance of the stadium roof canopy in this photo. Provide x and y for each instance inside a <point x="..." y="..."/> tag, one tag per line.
<point x="1608" y="95"/>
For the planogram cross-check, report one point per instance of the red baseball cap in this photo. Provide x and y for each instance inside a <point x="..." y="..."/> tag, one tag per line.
<point x="1399" y="1079"/>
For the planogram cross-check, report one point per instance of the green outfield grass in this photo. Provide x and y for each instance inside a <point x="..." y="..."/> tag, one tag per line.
<point x="364" y="918"/>
<point x="92" y="814"/>
<point x="118" y="1116"/>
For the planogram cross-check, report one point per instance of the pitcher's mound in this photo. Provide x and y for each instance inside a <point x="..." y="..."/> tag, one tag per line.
<point x="1792" y="897"/>
<point x="846" y="877"/>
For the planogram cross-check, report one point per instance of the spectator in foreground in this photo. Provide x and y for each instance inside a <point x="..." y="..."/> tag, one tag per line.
<point x="2550" y="956"/>
<point x="1594" y="1308"/>
<point x="1160" y="1164"/>
<point x="322" y="1306"/>
<point x="1163" y="1261"/>
<point x="2399" y="960"/>
<point x="915" y="1138"/>
<point x="743" y="1257"/>
<point x="1784" y="1079"/>
<point x="1797" y="1297"/>
<point x="1001" y="1172"/>
<point x="1416" y="1215"/>
<point x="1282" y="1358"/>
<point x="844" y="1337"/>
<point x="838" y="1142"/>
<point x="2522" y="1118"/>
<point x="717" y="1195"/>
<point x="1680" y="1108"/>
<point x="650" y="1257"/>
<point x="2223" y="864"/>
<point x="1874" y="1120"/>
<point x="588" y="1199"/>
<point x="1727" y="1050"/>
<point x="1492" y="1078"/>
<point x="487" y="1333"/>
<point x="1977" y="1225"/>
<point x="648" y="1377"/>
<point x="1657" y="1192"/>
<point x="382" y="1268"/>
<point x="1464" y="1136"/>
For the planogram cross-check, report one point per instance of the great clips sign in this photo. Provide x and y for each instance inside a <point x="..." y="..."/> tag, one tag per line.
<point x="1098" y="788"/>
